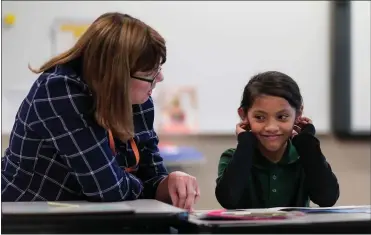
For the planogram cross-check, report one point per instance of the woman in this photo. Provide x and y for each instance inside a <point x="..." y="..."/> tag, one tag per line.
<point x="85" y="129"/>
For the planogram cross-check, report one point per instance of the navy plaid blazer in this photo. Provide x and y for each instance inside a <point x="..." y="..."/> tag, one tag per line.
<point x="57" y="151"/>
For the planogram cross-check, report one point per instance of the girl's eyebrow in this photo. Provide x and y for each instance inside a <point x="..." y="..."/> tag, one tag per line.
<point x="259" y="111"/>
<point x="280" y="111"/>
<point x="283" y="111"/>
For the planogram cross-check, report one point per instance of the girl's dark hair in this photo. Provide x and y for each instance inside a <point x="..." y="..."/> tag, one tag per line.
<point x="271" y="83"/>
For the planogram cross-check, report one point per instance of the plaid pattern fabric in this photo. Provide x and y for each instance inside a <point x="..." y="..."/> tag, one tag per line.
<point x="58" y="152"/>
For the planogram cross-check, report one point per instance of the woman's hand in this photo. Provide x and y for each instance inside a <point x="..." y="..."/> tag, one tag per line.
<point x="182" y="189"/>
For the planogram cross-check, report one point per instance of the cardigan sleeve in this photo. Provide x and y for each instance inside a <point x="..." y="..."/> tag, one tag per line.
<point x="233" y="172"/>
<point x="321" y="182"/>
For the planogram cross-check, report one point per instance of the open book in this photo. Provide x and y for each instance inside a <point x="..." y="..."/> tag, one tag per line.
<point x="335" y="209"/>
<point x="276" y="213"/>
<point x="248" y="214"/>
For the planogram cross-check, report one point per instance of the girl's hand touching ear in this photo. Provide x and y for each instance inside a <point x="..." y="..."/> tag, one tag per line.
<point x="301" y="123"/>
<point x="304" y="121"/>
<point x="242" y="127"/>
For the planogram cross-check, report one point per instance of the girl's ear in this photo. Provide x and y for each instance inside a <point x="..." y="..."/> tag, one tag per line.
<point x="300" y="112"/>
<point x="241" y="113"/>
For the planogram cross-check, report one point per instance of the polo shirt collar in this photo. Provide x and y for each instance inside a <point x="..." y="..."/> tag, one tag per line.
<point x="290" y="156"/>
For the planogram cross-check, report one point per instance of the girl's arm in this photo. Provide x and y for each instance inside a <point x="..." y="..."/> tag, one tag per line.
<point x="320" y="180"/>
<point x="233" y="178"/>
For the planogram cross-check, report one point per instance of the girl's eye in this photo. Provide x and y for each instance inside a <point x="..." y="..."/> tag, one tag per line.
<point x="259" y="117"/>
<point x="283" y="117"/>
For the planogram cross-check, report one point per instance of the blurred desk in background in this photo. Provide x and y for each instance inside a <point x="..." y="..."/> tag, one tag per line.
<point x="176" y="157"/>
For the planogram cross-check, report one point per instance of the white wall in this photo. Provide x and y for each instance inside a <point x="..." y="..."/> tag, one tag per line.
<point x="216" y="46"/>
<point x="360" y="66"/>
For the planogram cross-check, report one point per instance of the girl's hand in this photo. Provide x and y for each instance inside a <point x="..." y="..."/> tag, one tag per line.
<point x="299" y="125"/>
<point x="242" y="127"/>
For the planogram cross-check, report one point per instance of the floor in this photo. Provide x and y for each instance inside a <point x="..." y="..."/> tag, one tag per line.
<point x="349" y="160"/>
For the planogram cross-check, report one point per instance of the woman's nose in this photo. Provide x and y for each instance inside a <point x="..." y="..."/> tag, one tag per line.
<point x="160" y="77"/>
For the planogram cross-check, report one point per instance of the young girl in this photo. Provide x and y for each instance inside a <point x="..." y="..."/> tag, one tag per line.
<point x="271" y="167"/>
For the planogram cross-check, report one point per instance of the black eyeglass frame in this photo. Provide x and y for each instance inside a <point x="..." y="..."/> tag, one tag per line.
<point x="148" y="79"/>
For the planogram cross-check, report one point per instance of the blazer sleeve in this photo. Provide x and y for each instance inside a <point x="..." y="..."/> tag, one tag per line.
<point x="151" y="169"/>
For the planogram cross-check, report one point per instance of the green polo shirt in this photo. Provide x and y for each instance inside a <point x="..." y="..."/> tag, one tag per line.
<point x="272" y="184"/>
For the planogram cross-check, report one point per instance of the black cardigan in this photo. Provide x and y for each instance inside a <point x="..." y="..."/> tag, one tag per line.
<point x="317" y="177"/>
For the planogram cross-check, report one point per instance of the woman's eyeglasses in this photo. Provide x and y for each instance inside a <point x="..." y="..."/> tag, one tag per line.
<point x="150" y="79"/>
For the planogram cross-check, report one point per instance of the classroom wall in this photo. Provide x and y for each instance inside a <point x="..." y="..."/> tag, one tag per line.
<point x="213" y="46"/>
<point x="360" y="66"/>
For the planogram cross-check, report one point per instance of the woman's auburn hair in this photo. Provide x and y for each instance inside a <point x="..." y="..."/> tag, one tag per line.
<point x="114" y="47"/>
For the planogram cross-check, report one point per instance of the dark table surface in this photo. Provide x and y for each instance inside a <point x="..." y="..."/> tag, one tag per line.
<point x="139" y="216"/>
